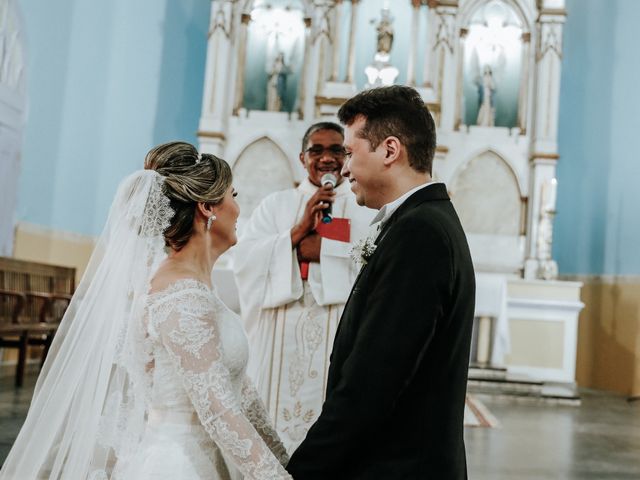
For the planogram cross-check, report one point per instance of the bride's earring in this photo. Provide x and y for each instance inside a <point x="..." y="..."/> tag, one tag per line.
<point x="210" y="221"/>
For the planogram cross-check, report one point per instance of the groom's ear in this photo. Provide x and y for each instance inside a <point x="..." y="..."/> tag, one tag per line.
<point x="392" y="147"/>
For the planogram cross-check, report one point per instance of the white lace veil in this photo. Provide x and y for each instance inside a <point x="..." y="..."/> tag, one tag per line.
<point x="90" y="400"/>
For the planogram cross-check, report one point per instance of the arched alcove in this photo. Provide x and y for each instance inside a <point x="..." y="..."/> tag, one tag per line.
<point x="261" y="168"/>
<point x="12" y="116"/>
<point x="495" y="72"/>
<point x="487" y="197"/>
<point x="274" y="54"/>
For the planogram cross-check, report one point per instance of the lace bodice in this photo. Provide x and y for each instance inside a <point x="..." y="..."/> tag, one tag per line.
<point x="200" y="352"/>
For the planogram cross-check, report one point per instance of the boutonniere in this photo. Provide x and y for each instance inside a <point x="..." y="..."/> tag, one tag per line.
<point x="364" y="248"/>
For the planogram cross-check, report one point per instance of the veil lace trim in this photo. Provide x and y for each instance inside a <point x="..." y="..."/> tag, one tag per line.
<point x="122" y="420"/>
<point x="91" y="398"/>
<point x="157" y="214"/>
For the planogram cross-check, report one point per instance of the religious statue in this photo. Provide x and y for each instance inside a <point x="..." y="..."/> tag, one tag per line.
<point x="277" y="83"/>
<point x="385" y="32"/>
<point x="381" y="71"/>
<point x="486" y="99"/>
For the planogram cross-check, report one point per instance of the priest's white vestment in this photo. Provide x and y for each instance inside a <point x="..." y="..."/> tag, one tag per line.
<point x="290" y="322"/>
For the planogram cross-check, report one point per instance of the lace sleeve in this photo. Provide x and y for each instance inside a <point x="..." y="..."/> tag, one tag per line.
<point x="254" y="409"/>
<point x="192" y="340"/>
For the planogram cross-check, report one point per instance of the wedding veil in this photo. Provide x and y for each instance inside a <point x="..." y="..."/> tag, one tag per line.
<point x="90" y="399"/>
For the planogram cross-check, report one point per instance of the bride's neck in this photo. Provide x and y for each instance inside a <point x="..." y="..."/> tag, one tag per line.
<point x="196" y="257"/>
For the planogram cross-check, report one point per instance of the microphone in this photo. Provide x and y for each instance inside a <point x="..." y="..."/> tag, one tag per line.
<point x="331" y="180"/>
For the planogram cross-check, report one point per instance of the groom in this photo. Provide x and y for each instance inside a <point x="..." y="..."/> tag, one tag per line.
<point x="397" y="380"/>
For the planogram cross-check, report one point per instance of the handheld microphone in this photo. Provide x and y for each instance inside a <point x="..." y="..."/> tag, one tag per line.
<point x="331" y="180"/>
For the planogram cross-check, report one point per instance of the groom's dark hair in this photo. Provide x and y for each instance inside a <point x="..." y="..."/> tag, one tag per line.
<point x="397" y="111"/>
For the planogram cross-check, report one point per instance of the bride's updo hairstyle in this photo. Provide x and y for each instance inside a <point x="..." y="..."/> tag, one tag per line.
<point x="189" y="179"/>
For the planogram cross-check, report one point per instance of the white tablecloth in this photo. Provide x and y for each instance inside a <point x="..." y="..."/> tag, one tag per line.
<point x="491" y="301"/>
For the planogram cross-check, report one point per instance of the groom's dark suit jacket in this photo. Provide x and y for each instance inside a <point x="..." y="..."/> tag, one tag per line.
<point x="398" y="375"/>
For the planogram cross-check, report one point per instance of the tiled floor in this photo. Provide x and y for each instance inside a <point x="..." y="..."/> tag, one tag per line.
<point x="14" y="404"/>
<point x="598" y="440"/>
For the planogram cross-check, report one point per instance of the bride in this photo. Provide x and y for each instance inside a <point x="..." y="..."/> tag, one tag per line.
<point x="146" y="376"/>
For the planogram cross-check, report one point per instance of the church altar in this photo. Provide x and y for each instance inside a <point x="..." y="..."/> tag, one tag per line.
<point x="488" y="70"/>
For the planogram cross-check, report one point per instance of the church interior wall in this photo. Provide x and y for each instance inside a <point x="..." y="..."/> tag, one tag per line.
<point x="105" y="84"/>
<point x="597" y="227"/>
<point x="46" y="77"/>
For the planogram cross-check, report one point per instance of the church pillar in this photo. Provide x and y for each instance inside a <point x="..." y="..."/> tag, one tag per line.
<point x="316" y="64"/>
<point x="302" y="89"/>
<point x="245" y="18"/>
<point x="331" y="93"/>
<point x="523" y="97"/>
<point x="445" y="86"/>
<point x="544" y="147"/>
<point x="216" y="102"/>
<point x="351" y="62"/>
<point x="413" y="42"/>
<point x="429" y="63"/>
<point x="337" y="34"/>
<point x="459" y="78"/>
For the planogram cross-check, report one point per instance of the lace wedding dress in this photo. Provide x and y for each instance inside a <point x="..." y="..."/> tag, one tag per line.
<point x="141" y="386"/>
<point x="205" y="419"/>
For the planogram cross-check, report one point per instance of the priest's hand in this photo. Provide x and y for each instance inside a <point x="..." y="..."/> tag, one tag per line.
<point x="308" y="249"/>
<point x="312" y="212"/>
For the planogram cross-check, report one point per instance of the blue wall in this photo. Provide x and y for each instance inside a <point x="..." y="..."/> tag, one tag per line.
<point x="106" y="81"/>
<point x="597" y="230"/>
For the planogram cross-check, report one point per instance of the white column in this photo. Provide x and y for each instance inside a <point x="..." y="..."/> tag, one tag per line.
<point x="459" y="76"/>
<point x="302" y="90"/>
<point x="415" y="24"/>
<point x="428" y="74"/>
<point x="484" y="340"/>
<point x="13" y="116"/>
<point x="216" y="102"/>
<point x="337" y="34"/>
<point x="245" y="19"/>
<point x="523" y="97"/>
<point x="314" y="76"/>
<point x="445" y="72"/>
<point x="544" y="148"/>
<point x="547" y="91"/>
<point x="351" y="62"/>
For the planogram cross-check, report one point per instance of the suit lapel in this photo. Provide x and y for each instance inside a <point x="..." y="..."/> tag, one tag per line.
<point x="436" y="191"/>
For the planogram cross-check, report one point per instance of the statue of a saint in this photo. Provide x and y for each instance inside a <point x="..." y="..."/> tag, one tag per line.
<point x="277" y="83"/>
<point x="381" y="71"/>
<point x="385" y="32"/>
<point x="486" y="99"/>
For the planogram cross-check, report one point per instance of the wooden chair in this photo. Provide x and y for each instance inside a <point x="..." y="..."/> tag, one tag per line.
<point x="12" y="333"/>
<point x="33" y="298"/>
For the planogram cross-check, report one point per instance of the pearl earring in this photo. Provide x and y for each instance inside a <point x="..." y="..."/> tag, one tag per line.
<point x="210" y="221"/>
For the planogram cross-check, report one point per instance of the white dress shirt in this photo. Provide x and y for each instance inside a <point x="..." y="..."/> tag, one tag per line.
<point x="387" y="210"/>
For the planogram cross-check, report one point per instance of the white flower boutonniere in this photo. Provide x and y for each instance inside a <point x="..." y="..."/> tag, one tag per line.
<point x="362" y="251"/>
<point x="364" y="248"/>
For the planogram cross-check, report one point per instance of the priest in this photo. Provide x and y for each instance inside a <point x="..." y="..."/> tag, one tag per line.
<point x="294" y="270"/>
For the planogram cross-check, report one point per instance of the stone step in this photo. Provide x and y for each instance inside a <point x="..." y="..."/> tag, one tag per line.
<point x="522" y="389"/>
<point x="509" y="385"/>
<point x="561" y="393"/>
<point x="480" y="372"/>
